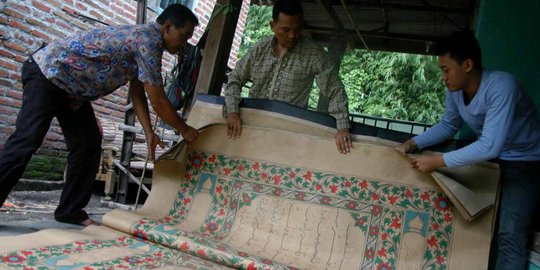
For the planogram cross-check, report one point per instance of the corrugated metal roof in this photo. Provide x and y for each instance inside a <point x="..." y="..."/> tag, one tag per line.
<point x="388" y="25"/>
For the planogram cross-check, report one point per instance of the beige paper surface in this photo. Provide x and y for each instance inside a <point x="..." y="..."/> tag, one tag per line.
<point x="277" y="198"/>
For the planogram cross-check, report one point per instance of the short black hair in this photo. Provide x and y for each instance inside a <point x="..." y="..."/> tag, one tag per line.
<point x="178" y="14"/>
<point x="289" y="7"/>
<point x="460" y="46"/>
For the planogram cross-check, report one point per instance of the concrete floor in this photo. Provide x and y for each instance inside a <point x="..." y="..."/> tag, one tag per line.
<point x="32" y="211"/>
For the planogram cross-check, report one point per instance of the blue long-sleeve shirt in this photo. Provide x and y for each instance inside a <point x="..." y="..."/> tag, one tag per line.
<point x="500" y="114"/>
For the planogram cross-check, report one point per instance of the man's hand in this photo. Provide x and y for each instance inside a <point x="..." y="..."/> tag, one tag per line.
<point x="428" y="163"/>
<point x="407" y="147"/>
<point x="153" y="140"/>
<point x="234" y="126"/>
<point x="189" y="134"/>
<point x="344" y="141"/>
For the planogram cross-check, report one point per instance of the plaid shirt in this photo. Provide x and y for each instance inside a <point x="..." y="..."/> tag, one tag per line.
<point x="95" y="63"/>
<point x="289" y="78"/>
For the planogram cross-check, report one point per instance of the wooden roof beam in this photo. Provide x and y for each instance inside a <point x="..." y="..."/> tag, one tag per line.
<point x="408" y="7"/>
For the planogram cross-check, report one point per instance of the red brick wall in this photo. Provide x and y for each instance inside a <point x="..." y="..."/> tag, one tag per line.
<point x="26" y="24"/>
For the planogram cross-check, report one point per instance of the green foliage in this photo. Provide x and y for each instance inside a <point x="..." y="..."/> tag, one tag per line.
<point x="257" y="27"/>
<point x="384" y="84"/>
<point x="393" y="85"/>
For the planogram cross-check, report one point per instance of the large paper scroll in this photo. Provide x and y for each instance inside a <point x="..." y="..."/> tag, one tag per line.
<point x="274" y="199"/>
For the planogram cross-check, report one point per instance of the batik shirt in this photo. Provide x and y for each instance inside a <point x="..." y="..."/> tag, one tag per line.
<point x="93" y="64"/>
<point x="289" y="78"/>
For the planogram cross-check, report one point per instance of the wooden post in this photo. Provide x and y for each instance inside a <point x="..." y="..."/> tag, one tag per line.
<point x="218" y="47"/>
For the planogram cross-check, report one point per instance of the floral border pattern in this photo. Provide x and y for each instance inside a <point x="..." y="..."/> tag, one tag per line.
<point x="378" y="208"/>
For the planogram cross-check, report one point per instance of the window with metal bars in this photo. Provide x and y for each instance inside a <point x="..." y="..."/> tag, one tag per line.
<point x="165" y="3"/>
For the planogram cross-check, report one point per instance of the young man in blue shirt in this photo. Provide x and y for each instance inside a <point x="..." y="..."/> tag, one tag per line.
<point x="61" y="79"/>
<point x="506" y="122"/>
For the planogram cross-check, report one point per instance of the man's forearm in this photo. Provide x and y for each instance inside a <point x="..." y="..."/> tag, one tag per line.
<point x="140" y="105"/>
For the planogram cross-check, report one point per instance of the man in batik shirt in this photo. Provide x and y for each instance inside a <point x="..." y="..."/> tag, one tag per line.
<point x="283" y="67"/>
<point x="61" y="79"/>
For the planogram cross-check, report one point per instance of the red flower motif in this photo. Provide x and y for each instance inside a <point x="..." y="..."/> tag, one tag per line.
<point x="257" y="188"/>
<point x="184" y="246"/>
<point x="277" y="192"/>
<point x="251" y="266"/>
<point x="383" y="236"/>
<point x="432" y="242"/>
<point x="382" y="252"/>
<point x="395" y="223"/>
<point x="408" y="193"/>
<point x="425" y="196"/>
<point x="13" y="259"/>
<point x="435" y="226"/>
<point x="325" y="200"/>
<point x="440" y="259"/>
<point x="26" y="253"/>
<point x="221" y="212"/>
<point x="187" y="201"/>
<point x="196" y="161"/>
<point x="348" y="183"/>
<point x="201" y="253"/>
<point x="363" y="184"/>
<point x="277" y="179"/>
<point x="392" y="199"/>
<point x="292" y="175"/>
<point x="256" y="166"/>
<point x="374" y="230"/>
<point x="212" y="158"/>
<point x="240" y="167"/>
<point x="300" y="196"/>
<point x="333" y="189"/>
<point x="219" y="189"/>
<point x="227" y="171"/>
<point x="308" y="176"/>
<point x="318" y="187"/>
<point x="246" y="198"/>
<point x="370" y="253"/>
<point x="225" y="202"/>
<point x="448" y="217"/>
<point x="266" y="261"/>
<point x="442" y="204"/>
<point x="361" y="221"/>
<point x="212" y="226"/>
<point x="384" y="266"/>
<point x="264" y="176"/>
<point x="351" y="205"/>
<point x="374" y="197"/>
